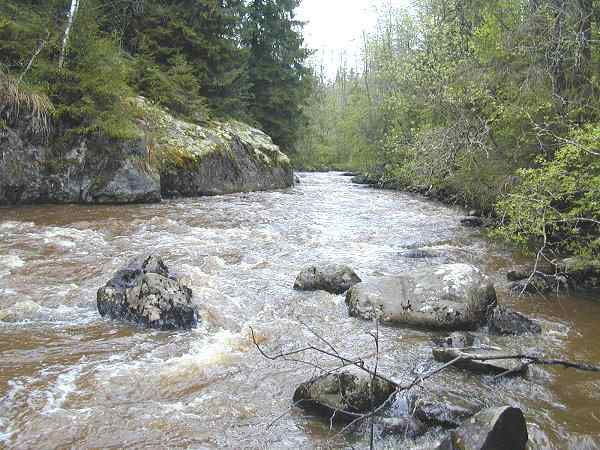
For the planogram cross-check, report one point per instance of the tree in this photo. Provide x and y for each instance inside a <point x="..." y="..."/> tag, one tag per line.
<point x="280" y="81"/>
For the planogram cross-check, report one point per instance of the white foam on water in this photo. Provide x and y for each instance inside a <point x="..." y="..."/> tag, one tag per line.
<point x="30" y="311"/>
<point x="9" y="263"/>
<point x="223" y="348"/>
<point x="63" y="387"/>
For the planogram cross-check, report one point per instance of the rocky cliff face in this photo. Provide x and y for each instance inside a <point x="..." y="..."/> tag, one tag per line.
<point x="87" y="170"/>
<point x="174" y="158"/>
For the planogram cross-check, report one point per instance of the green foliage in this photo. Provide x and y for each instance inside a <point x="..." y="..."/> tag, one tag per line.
<point x="279" y="81"/>
<point x="190" y="56"/>
<point x="556" y="207"/>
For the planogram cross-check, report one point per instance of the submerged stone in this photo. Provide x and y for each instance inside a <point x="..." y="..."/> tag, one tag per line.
<point x="145" y="293"/>
<point x="446" y="297"/>
<point x="333" y="278"/>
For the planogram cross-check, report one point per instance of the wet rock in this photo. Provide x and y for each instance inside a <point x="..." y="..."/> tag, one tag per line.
<point x="144" y="292"/>
<point x="349" y="174"/>
<point x="517" y="274"/>
<point x="361" y="179"/>
<point x="458" y="339"/>
<point x="408" y="427"/>
<point x="297" y="179"/>
<point x="489" y="366"/>
<point x="501" y="428"/>
<point x="446" y="297"/>
<point x="474" y="213"/>
<point x="344" y="392"/>
<point x="83" y="169"/>
<point x="471" y="221"/>
<point x="442" y="414"/>
<point x="418" y="253"/>
<point x="333" y="278"/>
<point x="537" y="285"/>
<point x="581" y="274"/>
<point x="504" y="320"/>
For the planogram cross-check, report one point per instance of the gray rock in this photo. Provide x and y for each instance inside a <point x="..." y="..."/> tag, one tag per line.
<point x="346" y="393"/>
<point x="471" y="221"/>
<point x="501" y="428"/>
<point x="537" y="285"/>
<point x="517" y="274"/>
<point x="475" y="213"/>
<point x="442" y="414"/>
<point x="490" y="366"/>
<point x="458" y="339"/>
<point x="144" y="292"/>
<point x="446" y="297"/>
<point x="408" y="427"/>
<point x="503" y="320"/>
<point x="581" y="273"/>
<point x="91" y="169"/>
<point x="220" y="157"/>
<point x="333" y="278"/>
<point x="297" y="179"/>
<point x="419" y="253"/>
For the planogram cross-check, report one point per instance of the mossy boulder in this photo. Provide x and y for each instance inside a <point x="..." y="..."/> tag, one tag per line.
<point x="212" y="157"/>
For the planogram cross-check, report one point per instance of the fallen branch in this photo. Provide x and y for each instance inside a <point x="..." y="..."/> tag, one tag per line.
<point x="332" y="352"/>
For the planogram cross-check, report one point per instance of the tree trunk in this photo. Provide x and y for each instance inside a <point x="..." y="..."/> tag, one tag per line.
<point x="65" y="40"/>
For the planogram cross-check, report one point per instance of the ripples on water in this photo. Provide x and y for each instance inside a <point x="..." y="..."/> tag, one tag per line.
<point x="71" y="379"/>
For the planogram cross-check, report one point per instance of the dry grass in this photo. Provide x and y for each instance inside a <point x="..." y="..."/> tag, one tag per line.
<point x="17" y="102"/>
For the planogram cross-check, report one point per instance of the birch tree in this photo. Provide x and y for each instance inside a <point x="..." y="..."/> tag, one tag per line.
<point x="65" y="41"/>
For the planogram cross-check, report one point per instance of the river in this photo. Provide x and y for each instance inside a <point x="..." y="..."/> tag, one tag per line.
<point x="69" y="379"/>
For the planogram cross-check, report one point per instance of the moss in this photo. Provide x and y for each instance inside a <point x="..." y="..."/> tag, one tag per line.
<point x="59" y="165"/>
<point x="180" y="144"/>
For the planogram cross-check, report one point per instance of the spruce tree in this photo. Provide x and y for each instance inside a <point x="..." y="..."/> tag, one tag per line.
<point x="279" y="80"/>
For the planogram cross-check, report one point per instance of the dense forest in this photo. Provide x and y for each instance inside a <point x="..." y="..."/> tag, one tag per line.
<point x="491" y="104"/>
<point x="76" y="62"/>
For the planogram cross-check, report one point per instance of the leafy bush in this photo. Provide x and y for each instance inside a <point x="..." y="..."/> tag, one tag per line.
<point x="556" y="207"/>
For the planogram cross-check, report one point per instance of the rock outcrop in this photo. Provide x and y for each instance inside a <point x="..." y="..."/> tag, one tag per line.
<point x="501" y="428"/>
<point x="169" y="157"/>
<point x="146" y="293"/>
<point x="446" y="297"/>
<point x="84" y="170"/>
<point x="348" y="391"/>
<point x="213" y="157"/>
<point x="333" y="278"/>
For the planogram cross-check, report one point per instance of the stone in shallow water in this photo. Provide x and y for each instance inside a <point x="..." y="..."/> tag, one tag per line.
<point x="504" y="320"/>
<point x="144" y="292"/>
<point x="501" y="428"/>
<point x="333" y="278"/>
<point x="489" y="366"/>
<point x="349" y="390"/>
<point x="446" y="297"/>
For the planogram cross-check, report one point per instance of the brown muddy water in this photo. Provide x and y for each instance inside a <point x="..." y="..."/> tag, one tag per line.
<point x="69" y="379"/>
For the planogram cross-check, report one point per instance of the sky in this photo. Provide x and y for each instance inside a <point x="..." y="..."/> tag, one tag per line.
<point x="335" y="28"/>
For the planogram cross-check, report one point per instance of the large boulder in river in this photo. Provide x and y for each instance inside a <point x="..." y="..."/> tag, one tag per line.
<point x="146" y="293"/>
<point x="501" y="428"/>
<point x="446" y="297"/>
<point x="346" y="393"/>
<point x="333" y="278"/>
